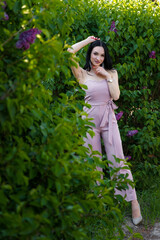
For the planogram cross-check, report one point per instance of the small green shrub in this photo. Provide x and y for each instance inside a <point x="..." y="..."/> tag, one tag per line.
<point x="48" y="184"/>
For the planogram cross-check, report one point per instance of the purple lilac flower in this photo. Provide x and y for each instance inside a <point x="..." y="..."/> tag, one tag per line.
<point x="27" y="37"/>
<point x="132" y="132"/>
<point x="128" y="157"/>
<point x="119" y="115"/>
<point x="22" y="44"/>
<point x="6" y="17"/>
<point x="113" y="27"/>
<point x="145" y="87"/>
<point x="152" y="54"/>
<point x="4" y="4"/>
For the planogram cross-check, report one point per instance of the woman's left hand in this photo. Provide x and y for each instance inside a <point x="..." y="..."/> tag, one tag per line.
<point x="101" y="71"/>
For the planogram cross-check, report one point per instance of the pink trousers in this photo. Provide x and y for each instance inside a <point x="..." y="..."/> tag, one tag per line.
<point x="112" y="149"/>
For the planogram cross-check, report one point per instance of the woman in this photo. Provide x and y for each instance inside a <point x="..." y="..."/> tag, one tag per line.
<point x="102" y="83"/>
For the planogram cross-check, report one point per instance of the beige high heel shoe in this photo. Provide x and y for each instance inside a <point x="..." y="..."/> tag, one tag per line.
<point x="136" y="221"/>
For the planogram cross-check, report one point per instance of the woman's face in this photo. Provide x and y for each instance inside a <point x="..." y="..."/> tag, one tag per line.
<point x="97" y="56"/>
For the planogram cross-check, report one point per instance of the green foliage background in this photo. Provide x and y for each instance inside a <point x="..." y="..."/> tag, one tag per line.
<point x="47" y="191"/>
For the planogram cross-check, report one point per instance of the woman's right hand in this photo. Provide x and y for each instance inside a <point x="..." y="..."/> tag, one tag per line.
<point x="92" y="39"/>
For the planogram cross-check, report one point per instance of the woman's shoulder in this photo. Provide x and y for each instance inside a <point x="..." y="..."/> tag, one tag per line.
<point x="113" y="71"/>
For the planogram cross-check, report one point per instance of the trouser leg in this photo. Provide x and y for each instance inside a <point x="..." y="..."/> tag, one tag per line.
<point x="95" y="142"/>
<point x="116" y="149"/>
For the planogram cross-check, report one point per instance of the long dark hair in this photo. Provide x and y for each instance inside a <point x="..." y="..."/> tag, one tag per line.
<point x="107" y="59"/>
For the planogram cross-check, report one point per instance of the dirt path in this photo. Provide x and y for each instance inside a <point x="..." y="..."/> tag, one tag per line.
<point x="148" y="233"/>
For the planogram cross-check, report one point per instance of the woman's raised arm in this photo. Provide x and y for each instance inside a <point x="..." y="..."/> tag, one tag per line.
<point x="78" y="71"/>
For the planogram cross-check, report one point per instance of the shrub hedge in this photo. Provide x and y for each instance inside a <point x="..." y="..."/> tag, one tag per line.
<point x="47" y="190"/>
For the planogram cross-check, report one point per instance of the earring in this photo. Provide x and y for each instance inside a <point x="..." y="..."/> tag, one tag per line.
<point x="103" y="64"/>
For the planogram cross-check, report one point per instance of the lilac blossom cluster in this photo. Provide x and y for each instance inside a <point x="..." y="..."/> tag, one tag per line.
<point x="132" y="132"/>
<point x="113" y="27"/>
<point x="27" y="37"/>
<point x="119" y="115"/>
<point x="4" y="5"/>
<point x="152" y="54"/>
<point x="127" y="157"/>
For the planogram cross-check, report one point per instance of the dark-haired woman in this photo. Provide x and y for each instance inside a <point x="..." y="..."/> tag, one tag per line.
<point x="102" y="87"/>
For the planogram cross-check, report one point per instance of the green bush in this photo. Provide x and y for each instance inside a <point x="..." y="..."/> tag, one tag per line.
<point x="47" y="190"/>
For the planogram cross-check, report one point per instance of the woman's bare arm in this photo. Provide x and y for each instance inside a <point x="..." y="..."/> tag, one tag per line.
<point x="78" y="71"/>
<point x="113" y="85"/>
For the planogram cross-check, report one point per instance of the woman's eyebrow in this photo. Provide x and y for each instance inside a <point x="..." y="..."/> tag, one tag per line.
<point x="98" y="52"/>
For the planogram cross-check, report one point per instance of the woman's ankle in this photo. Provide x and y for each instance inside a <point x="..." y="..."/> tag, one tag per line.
<point x="135" y="209"/>
<point x="135" y="202"/>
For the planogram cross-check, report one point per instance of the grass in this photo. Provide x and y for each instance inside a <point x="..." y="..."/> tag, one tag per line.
<point x="149" y="200"/>
<point x="150" y="205"/>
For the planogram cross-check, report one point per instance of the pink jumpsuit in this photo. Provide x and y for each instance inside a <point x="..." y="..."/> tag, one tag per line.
<point x="102" y="112"/>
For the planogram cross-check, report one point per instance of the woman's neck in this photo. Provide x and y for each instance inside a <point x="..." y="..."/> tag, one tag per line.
<point x="93" y="70"/>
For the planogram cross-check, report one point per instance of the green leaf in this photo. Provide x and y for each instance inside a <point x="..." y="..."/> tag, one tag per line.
<point x="137" y="235"/>
<point x="11" y="106"/>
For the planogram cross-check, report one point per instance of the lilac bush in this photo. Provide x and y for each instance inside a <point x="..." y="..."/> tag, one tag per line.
<point x="6" y="17"/>
<point x="4" y="4"/>
<point x="113" y="27"/>
<point x="30" y="114"/>
<point x="132" y="132"/>
<point x="152" y="54"/>
<point x="119" y="115"/>
<point x="27" y="37"/>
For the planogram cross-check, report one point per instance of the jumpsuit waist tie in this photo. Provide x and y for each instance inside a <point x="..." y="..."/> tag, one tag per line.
<point x="107" y="116"/>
